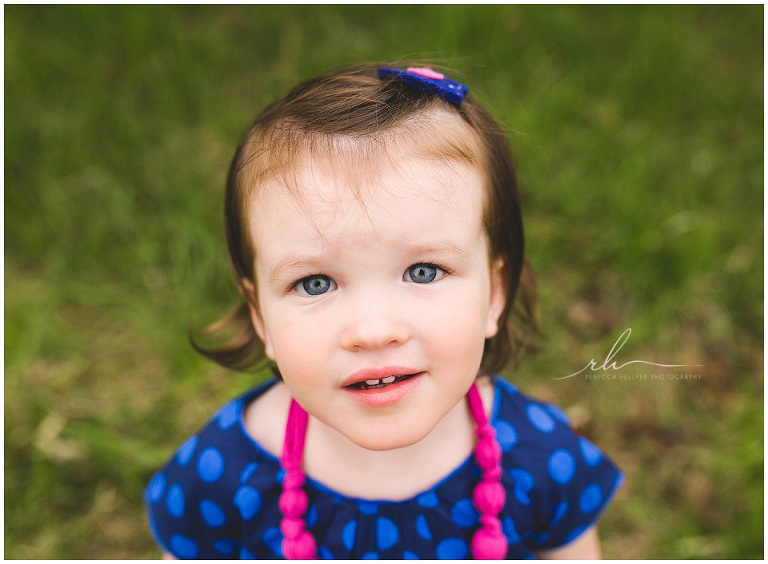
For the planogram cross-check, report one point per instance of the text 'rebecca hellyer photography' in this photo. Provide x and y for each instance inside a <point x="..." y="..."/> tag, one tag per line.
<point x="610" y="369"/>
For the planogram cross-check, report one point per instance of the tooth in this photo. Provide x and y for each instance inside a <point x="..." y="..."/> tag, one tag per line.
<point x="372" y="382"/>
<point x="388" y="380"/>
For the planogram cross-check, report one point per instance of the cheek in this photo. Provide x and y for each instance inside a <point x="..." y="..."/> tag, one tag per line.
<point x="284" y="335"/>
<point x="458" y="331"/>
<point x="296" y="343"/>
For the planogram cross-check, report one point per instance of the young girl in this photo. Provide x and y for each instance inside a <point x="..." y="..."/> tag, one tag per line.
<point x="373" y="221"/>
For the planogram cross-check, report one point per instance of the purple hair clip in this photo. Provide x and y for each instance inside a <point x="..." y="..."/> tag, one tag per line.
<point x="429" y="80"/>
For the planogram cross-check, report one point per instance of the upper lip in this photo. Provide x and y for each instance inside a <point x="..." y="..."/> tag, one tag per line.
<point x="377" y="374"/>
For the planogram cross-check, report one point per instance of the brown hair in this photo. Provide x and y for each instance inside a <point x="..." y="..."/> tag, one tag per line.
<point x="354" y="103"/>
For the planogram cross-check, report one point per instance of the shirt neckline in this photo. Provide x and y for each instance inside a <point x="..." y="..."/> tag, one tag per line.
<point x="246" y="398"/>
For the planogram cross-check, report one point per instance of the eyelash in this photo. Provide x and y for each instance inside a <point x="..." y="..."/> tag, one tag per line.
<point x="445" y="270"/>
<point x="296" y="285"/>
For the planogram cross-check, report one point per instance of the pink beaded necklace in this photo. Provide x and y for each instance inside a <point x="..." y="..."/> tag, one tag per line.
<point x="488" y="497"/>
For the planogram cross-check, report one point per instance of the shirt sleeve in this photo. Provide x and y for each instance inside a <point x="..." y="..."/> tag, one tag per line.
<point x="565" y="480"/>
<point x="582" y="481"/>
<point x="191" y="503"/>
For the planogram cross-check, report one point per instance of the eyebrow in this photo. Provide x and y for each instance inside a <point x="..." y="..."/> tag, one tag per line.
<point x="292" y="263"/>
<point x="439" y="249"/>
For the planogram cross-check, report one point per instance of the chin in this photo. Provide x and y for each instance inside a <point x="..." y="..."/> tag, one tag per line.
<point x="389" y="441"/>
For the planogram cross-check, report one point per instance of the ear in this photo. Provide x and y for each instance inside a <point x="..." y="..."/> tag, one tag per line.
<point x="498" y="297"/>
<point x="249" y="293"/>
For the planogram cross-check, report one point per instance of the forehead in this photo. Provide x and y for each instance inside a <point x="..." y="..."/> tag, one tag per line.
<point x="390" y="186"/>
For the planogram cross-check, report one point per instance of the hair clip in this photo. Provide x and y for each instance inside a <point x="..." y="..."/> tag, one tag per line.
<point x="429" y="80"/>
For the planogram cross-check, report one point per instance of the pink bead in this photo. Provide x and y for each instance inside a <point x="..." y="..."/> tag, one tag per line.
<point x="306" y="548"/>
<point x="489" y="497"/>
<point x="487" y="454"/>
<point x="489" y="544"/>
<point x="293" y="503"/>
<point x="301" y="548"/>
<point x="291" y="527"/>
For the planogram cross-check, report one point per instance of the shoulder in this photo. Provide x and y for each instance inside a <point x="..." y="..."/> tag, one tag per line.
<point x="521" y="419"/>
<point x="538" y="434"/>
<point x="216" y="479"/>
<point x="210" y="457"/>
<point x="561" y="477"/>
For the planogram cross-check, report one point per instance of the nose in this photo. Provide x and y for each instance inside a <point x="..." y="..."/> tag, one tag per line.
<point x="374" y="321"/>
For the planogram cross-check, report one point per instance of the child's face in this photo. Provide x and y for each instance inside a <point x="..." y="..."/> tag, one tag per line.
<point x="393" y="280"/>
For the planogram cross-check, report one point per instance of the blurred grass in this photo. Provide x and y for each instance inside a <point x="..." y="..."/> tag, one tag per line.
<point x="639" y="136"/>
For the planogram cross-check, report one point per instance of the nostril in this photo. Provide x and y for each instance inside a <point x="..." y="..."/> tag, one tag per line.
<point x="374" y="334"/>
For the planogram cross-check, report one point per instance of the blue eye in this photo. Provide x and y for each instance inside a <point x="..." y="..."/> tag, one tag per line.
<point x="314" y="285"/>
<point x="423" y="273"/>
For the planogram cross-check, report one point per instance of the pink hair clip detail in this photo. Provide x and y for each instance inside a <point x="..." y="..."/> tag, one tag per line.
<point x="426" y="72"/>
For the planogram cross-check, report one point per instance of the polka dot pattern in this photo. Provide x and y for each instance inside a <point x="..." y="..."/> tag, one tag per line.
<point x="186" y="450"/>
<point x="210" y="465"/>
<point x="184" y="546"/>
<point x="248" y="471"/>
<point x="590" y="452"/>
<point x="540" y="419"/>
<point x="509" y="530"/>
<point x="590" y="498"/>
<point x="505" y="435"/>
<point x="558" y="414"/>
<point x="561" y="509"/>
<point x="217" y="497"/>
<point x="227" y="416"/>
<point x="156" y="488"/>
<point x="428" y="499"/>
<point x="212" y="514"/>
<point x="225" y="547"/>
<point x="561" y="466"/>
<point x="248" y="501"/>
<point x="422" y="528"/>
<point x="348" y="535"/>
<point x="175" y="501"/>
<point x="522" y="484"/>
<point x="452" y="549"/>
<point x="368" y="508"/>
<point x="387" y="533"/>
<point x="464" y="513"/>
<point x="311" y="517"/>
<point x="273" y="538"/>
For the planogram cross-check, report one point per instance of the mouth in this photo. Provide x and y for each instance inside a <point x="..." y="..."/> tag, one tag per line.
<point x="374" y="388"/>
<point x="376" y="383"/>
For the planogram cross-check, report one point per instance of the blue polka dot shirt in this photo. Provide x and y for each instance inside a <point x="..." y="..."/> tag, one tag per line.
<point x="217" y="497"/>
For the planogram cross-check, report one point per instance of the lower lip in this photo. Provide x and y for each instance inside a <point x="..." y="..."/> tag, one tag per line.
<point x="388" y="395"/>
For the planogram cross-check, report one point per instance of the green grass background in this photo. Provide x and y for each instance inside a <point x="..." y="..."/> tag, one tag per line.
<point x="639" y="136"/>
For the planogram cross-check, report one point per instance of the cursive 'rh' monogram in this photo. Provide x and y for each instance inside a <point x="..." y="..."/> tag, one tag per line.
<point x="623" y="338"/>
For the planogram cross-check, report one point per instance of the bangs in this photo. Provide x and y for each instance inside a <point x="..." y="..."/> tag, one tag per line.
<point x="273" y="157"/>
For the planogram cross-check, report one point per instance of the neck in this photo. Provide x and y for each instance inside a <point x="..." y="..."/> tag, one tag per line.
<point x="338" y="463"/>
